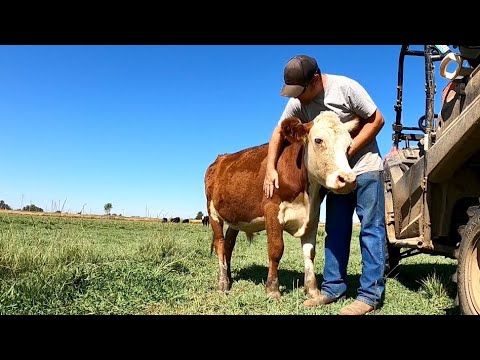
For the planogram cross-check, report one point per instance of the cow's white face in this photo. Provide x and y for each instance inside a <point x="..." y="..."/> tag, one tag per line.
<point x="326" y="156"/>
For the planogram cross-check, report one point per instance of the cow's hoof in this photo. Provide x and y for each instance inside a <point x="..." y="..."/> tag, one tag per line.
<point x="274" y="294"/>
<point x="312" y="293"/>
<point x="224" y="285"/>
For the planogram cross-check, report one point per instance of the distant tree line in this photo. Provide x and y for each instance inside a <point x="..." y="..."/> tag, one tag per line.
<point x="107" y="208"/>
<point x="4" y="206"/>
<point x="31" y="207"/>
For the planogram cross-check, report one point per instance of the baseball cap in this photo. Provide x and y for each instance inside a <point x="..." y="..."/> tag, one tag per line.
<point x="297" y="75"/>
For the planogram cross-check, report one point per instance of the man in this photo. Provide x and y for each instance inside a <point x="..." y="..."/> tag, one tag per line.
<point x="312" y="92"/>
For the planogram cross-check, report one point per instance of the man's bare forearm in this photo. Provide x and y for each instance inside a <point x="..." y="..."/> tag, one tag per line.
<point x="367" y="133"/>
<point x="273" y="148"/>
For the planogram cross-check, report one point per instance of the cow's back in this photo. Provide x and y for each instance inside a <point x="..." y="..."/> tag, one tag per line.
<point x="233" y="185"/>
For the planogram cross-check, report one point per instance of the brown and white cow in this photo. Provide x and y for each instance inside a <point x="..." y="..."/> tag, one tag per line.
<point x="313" y="156"/>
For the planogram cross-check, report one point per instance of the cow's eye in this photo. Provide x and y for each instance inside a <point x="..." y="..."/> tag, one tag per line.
<point x="318" y="141"/>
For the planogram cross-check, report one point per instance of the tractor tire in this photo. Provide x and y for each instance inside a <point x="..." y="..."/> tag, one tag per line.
<point x="468" y="268"/>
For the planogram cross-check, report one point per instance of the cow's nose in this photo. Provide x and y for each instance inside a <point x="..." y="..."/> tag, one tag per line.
<point x="340" y="180"/>
<point x="346" y="178"/>
<point x="346" y="183"/>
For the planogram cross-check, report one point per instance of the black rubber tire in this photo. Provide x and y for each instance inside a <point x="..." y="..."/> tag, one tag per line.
<point x="468" y="271"/>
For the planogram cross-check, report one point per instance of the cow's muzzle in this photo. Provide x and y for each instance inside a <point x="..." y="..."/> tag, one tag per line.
<point x="345" y="182"/>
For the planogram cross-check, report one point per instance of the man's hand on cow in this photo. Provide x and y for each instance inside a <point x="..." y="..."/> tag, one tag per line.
<point x="271" y="179"/>
<point x="350" y="150"/>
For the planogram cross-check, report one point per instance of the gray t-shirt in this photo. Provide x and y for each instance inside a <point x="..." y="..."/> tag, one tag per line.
<point x="345" y="97"/>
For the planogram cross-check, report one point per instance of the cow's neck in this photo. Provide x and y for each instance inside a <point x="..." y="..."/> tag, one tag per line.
<point x="292" y="171"/>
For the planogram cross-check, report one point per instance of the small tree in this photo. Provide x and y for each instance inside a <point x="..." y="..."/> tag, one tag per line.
<point x="107" y="207"/>
<point x="199" y="216"/>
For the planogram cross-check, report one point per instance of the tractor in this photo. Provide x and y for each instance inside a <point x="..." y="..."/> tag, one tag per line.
<point x="432" y="174"/>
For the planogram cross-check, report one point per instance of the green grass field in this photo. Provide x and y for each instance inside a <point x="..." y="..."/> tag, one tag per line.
<point x="61" y="265"/>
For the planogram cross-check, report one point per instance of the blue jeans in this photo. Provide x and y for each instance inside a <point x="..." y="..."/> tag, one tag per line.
<point x="369" y="202"/>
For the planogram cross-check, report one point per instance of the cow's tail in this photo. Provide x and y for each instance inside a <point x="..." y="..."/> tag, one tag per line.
<point x="217" y="226"/>
<point x="249" y="237"/>
<point x="212" y="245"/>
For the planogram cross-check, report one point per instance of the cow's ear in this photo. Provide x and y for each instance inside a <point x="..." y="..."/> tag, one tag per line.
<point x="353" y="124"/>
<point x="293" y="130"/>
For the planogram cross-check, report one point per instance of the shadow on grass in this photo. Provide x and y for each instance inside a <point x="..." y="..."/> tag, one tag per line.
<point x="411" y="276"/>
<point x="289" y="279"/>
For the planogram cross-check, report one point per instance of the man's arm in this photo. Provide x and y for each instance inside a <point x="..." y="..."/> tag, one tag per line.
<point x="271" y="175"/>
<point x="369" y="129"/>
<point x="293" y="108"/>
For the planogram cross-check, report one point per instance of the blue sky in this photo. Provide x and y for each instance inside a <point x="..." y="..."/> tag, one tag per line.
<point x="137" y="126"/>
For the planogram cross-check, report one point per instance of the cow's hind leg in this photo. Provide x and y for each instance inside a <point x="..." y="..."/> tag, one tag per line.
<point x="223" y="247"/>
<point x="218" y="245"/>
<point x="275" y="249"/>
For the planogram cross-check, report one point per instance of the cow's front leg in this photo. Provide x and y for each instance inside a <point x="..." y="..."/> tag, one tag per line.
<point x="308" y="248"/>
<point x="218" y="244"/>
<point x="275" y="248"/>
<point x="309" y="241"/>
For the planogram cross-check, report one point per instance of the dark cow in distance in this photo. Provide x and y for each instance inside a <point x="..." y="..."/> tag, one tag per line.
<point x="205" y="220"/>
<point x="175" y="220"/>
<point x="313" y="156"/>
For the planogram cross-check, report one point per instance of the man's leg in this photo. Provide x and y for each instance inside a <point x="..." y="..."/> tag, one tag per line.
<point x="338" y="228"/>
<point x="371" y="212"/>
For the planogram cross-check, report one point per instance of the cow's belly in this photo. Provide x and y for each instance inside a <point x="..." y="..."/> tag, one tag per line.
<point x="294" y="215"/>
<point x="256" y="225"/>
